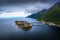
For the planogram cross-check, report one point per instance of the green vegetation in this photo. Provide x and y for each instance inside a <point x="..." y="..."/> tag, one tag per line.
<point x="38" y="15"/>
<point x="52" y="15"/>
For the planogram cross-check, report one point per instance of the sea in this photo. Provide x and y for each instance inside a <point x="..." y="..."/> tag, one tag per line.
<point x="9" y="30"/>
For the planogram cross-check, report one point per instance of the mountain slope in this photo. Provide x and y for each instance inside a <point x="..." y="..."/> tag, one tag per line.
<point x="39" y="14"/>
<point x="51" y="15"/>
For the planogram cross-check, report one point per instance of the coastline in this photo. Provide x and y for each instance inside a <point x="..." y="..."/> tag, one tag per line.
<point x="50" y="23"/>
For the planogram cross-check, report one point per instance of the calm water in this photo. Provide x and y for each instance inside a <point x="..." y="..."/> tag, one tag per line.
<point x="8" y="30"/>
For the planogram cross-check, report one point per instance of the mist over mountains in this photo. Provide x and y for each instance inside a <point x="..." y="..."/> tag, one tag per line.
<point x="50" y="15"/>
<point x="27" y="7"/>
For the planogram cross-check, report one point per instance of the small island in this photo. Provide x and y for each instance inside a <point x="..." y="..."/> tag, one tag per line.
<point x="24" y="25"/>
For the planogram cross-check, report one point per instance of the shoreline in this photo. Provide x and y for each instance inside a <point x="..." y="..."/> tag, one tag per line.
<point x="50" y="24"/>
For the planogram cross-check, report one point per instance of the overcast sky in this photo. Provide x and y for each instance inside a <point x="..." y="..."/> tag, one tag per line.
<point x="23" y="7"/>
<point x="27" y="0"/>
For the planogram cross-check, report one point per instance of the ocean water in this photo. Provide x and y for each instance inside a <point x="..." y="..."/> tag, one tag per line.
<point x="8" y="30"/>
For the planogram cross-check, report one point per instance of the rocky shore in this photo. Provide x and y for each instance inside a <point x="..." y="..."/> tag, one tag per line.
<point x="50" y="24"/>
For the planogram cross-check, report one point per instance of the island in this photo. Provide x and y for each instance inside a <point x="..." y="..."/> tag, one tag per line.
<point x="24" y="25"/>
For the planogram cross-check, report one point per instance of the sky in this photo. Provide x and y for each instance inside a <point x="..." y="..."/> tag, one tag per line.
<point x="23" y="8"/>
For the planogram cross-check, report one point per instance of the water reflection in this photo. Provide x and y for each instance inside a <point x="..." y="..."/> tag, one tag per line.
<point x="23" y="25"/>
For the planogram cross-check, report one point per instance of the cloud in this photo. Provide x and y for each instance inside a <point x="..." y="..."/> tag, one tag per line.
<point x="13" y="14"/>
<point x="22" y="10"/>
<point x="26" y="1"/>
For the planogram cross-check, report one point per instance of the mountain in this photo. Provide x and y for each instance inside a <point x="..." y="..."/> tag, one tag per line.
<point x="38" y="14"/>
<point x="52" y="15"/>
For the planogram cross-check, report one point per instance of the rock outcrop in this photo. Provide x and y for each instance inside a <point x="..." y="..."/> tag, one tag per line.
<point x="24" y="25"/>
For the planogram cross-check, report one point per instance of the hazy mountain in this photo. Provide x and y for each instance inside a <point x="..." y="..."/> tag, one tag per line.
<point x="52" y="15"/>
<point x="39" y="14"/>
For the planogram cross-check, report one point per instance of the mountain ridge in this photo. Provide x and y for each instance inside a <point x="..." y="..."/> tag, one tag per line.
<point x="52" y="15"/>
